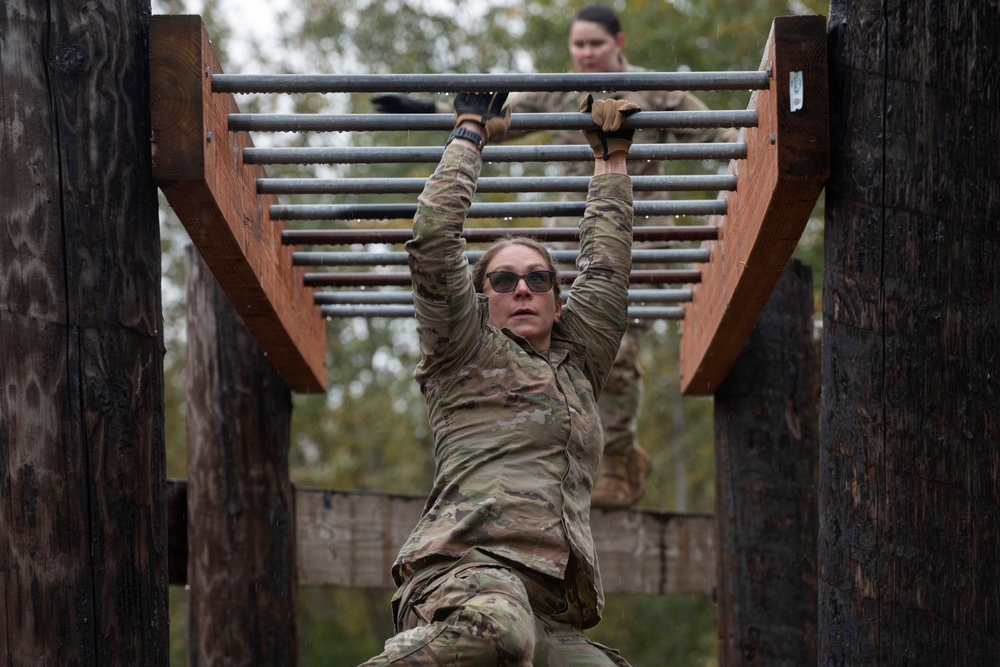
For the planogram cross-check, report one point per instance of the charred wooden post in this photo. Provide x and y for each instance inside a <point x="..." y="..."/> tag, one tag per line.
<point x="240" y="502"/>
<point x="909" y="543"/>
<point x="766" y="441"/>
<point x="83" y="571"/>
<point x="177" y="529"/>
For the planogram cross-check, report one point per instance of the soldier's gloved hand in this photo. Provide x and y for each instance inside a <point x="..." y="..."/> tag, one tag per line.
<point x="608" y="115"/>
<point x="485" y="109"/>
<point x="402" y="104"/>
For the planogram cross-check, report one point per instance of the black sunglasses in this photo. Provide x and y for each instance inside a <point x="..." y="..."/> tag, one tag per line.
<point x="540" y="280"/>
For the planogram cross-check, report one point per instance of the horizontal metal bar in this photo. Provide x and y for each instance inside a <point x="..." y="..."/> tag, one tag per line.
<point x="660" y="295"/>
<point x="531" y="153"/>
<point x="382" y="297"/>
<point x="511" y="82"/>
<point x="366" y="311"/>
<point x="502" y="210"/>
<point x="399" y="279"/>
<point x="368" y="296"/>
<point x="656" y="312"/>
<point x="529" y="122"/>
<point x="487" y="235"/>
<point x="344" y="186"/>
<point x="366" y="279"/>
<point x="634" y="312"/>
<point x="359" y="258"/>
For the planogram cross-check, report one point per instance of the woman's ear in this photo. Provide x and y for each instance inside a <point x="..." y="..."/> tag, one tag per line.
<point x="558" y="311"/>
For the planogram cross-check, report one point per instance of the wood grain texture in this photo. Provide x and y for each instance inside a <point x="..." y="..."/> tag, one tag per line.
<point x="777" y="187"/>
<point x="766" y="452"/>
<point x="240" y="504"/>
<point x="83" y="531"/>
<point x="909" y="544"/>
<point x="351" y="538"/>
<point x="198" y="166"/>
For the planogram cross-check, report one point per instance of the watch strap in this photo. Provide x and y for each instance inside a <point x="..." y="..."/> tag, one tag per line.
<point x="468" y="135"/>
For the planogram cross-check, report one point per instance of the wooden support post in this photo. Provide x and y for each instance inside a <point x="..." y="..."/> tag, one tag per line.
<point x="776" y="189"/>
<point x="241" y="510"/>
<point x="766" y="440"/>
<point x="197" y="163"/>
<point x="82" y="487"/>
<point x="909" y="542"/>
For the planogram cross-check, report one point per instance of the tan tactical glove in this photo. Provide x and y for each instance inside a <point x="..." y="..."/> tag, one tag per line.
<point x="487" y="110"/>
<point x="608" y="116"/>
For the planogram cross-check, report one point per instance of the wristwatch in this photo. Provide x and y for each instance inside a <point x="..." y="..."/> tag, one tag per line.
<point x="468" y="135"/>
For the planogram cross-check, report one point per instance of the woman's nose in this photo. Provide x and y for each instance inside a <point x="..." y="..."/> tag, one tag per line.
<point x="521" y="288"/>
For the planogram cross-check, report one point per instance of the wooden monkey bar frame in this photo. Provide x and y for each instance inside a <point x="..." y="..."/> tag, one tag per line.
<point x="199" y="164"/>
<point x="777" y="185"/>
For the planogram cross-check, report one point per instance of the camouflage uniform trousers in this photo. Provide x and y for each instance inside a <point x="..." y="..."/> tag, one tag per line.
<point x="622" y="394"/>
<point x="621" y="478"/>
<point x="480" y="611"/>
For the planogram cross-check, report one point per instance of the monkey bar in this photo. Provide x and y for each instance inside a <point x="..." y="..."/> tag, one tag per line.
<point x="486" y="235"/>
<point x="649" y="120"/>
<point x="488" y="210"/>
<point x="337" y="186"/>
<point x="397" y="297"/>
<point x="432" y="154"/>
<point x="640" y="277"/>
<point x="214" y="178"/>
<point x="484" y="83"/>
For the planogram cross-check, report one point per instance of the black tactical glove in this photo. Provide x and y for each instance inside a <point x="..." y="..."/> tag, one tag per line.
<point x="608" y="116"/>
<point x="487" y="110"/>
<point x="402" y="104"/>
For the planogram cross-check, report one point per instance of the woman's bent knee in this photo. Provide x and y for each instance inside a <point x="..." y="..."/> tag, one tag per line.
<point x="498" y="631"/>
<point x="473" y="615"/>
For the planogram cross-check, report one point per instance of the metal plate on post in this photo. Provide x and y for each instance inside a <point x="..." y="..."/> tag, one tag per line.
<point x="796" y="90"/>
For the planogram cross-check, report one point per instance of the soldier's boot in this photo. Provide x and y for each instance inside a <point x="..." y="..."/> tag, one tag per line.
<point x="621" y="479"/>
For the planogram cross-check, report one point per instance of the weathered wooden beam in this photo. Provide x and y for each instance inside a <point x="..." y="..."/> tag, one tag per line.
<point x="197" y="165"/>
<point x="777" y="187"/>
<point x="350" y="539"/>
<point x="240" y="502"/>
<point x="766" y="449"/>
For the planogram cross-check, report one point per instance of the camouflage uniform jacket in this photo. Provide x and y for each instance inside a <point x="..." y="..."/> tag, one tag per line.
<point x="648" y="100"/>
<point x="517" y="437"/>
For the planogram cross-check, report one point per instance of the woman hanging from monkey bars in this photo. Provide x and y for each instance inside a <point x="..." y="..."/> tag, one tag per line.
<point x="501" y="567"/>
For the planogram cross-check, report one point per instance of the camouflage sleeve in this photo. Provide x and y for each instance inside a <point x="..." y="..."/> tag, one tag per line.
<point x="449" y="323"/>
<point x="684" y="101"/>
<point x="597" y="311"/>
<point x="532" y="102"/>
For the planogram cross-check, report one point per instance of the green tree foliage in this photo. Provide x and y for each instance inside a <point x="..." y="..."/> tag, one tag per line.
<point x="370" y="430"/>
